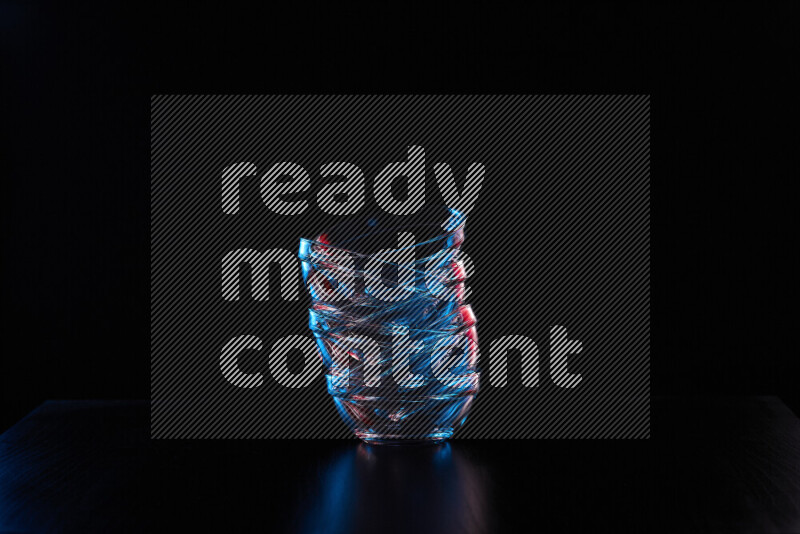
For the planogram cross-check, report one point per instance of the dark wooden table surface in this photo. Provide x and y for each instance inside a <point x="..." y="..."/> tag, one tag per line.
<point x="712" y="465"/>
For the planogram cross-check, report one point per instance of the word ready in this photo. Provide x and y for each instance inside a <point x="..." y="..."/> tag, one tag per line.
<point x="347" y="195"/>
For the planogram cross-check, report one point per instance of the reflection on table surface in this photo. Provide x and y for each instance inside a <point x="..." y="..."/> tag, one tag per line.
<point x="712" y="465"/>
<point x="370" y="488"/>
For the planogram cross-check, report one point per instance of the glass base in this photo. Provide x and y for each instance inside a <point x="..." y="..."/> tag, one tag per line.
<point x="404" y="420"/>
<point x="395" y="440"/>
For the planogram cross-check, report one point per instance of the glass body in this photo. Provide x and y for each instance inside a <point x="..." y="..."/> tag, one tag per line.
<point x="400" y="347"/>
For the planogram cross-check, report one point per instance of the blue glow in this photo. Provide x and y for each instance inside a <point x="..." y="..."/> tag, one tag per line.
<point x="389" y="361"/>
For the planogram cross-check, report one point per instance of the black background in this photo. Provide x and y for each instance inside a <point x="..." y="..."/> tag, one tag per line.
<point x="75" y="161"/>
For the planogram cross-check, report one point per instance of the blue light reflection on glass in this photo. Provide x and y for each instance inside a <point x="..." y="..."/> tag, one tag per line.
<point x="387" y="334"/>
